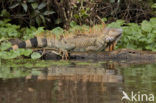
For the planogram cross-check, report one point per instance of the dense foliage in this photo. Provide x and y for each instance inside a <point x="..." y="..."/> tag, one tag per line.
<point x="9" y="31"/>
<point x="136" y="36"/>
<point x="26" y="12"/>
<point x="52" y="13"/>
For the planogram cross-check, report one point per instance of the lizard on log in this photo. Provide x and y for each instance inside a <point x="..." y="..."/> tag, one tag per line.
<point x="93" y="42"/>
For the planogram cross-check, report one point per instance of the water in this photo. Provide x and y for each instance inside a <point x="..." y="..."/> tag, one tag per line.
<point x="91" y="82"/>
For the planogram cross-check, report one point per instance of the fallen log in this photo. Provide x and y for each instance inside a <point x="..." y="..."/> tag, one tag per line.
<point x="122" y="54"/>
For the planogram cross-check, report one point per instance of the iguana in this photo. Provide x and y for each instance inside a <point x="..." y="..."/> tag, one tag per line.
<point x="75" y="43"/>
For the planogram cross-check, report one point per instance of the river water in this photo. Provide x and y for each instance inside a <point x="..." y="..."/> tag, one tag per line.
<point x="88" y="82"/>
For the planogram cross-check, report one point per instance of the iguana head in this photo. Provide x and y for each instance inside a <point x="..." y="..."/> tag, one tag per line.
<point x="112" y="34"/>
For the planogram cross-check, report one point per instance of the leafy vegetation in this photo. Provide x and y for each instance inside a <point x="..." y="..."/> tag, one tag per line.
<point x="137" y="36"/>
<point x="9" y="31"/>
<point x="61" y="12"/>
<point x="15" y="31"/>
<point x="26" y="12"/>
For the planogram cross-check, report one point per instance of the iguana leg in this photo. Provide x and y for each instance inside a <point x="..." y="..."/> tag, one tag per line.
<point x="112" y="46"/>
<point x="43" y="51"/>
<point x="55" y="52"/>
<point x="64" y="54"/>
<point x="90" y="30"/>
<point x="59" y="52"/>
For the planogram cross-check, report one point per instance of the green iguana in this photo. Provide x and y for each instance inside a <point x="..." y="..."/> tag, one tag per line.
<point x="75" y="43"/>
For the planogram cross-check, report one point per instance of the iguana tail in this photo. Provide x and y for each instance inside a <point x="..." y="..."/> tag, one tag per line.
<point x="32" y="43"/>
<point x="42" y="41"/>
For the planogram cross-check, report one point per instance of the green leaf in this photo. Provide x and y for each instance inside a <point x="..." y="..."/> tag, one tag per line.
<point x="76" y="16"/>
<point x="58" y="21"/>
<point x="154" y="31"/>
<point x="57" y="31"/>
<point x="42" y="5"/>
<point x="35" y="55"/>
<point x="13" y="54"/>
<point x="14" y="6"/>
<point x="82" y="11"/>
<point x="116" y="24"/>
<point x="48" y="19"/>
<point x="31" y="32"/>
<point x="31" y="1"/>
<point x="37" y="12"/>
<point x="48" y="12"/>
<point x="43" y="19"/>
<point x="104" y="19"/>
<point x="153" y="22"/>
<point x="34" y="5"/>
<point x="9" y="55"/>
<point x="25" y="52"/>
<point x="73" y="23"/>
<point x="25" y="7"/>
<point x="148" y="47"/>
<point x="5" y="13"/>
<point x="5" y="46"/>
<point x="38" y="20"/>
<point x="154" y="5"/>
<point x="146" y="26"/>
<point x="112" y="1"/>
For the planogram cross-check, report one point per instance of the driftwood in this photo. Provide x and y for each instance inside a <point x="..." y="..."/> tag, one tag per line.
<point x="122" y="54"/>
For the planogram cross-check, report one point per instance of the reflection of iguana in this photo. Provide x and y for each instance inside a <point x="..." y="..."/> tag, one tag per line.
<point x="75" y="43"/>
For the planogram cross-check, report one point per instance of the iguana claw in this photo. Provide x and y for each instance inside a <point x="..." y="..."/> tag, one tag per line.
<point x="63" y="53"/>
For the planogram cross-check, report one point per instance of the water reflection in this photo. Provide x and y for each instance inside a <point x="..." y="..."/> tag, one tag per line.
<point x="141" y="79"/>
<point x="75" y="84"/>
